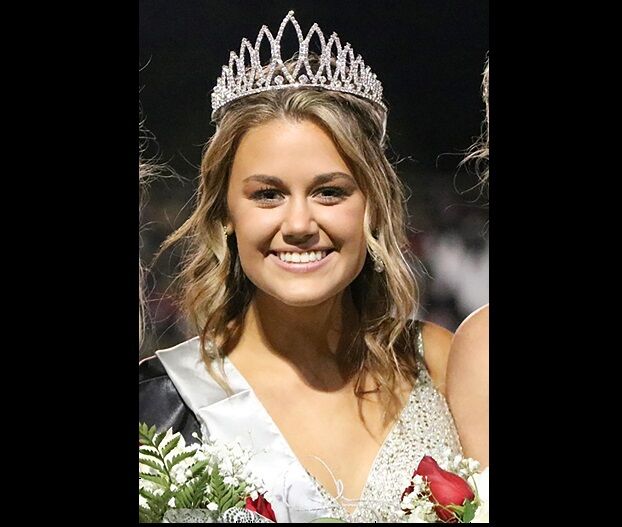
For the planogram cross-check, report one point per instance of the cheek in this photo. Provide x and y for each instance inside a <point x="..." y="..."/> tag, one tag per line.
<point x="348" y="225"/>
<point x="254" y="230"/>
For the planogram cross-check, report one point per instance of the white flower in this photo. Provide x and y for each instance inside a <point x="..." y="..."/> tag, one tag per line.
<point x="473" y="465"/>
<point x="226" y="466"/>
<point x="212" y="506"/>
<point x="230" y="480"/>
<point x="422" y="513"/>
<point x="415" y="518"/>
<point x="171" y="503"/>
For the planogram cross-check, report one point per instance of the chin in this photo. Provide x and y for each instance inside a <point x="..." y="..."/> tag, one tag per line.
<point x="304" y="295"/>
<point x="304" y="299"/>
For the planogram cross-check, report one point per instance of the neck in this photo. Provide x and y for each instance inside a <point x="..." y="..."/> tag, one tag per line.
<point x="311" y="340"/>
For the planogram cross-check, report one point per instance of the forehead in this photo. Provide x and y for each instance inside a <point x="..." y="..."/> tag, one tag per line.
<point x="287" y="149"/>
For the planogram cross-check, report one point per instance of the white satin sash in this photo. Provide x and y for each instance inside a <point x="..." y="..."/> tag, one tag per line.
<point x="295" y="496"/>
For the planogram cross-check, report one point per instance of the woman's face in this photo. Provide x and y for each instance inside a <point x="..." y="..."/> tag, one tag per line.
<point x="297" y="213"/>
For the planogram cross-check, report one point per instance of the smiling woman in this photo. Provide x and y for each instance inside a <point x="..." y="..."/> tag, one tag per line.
<point x="297" y="281"/>
<point x="309" y="205"/>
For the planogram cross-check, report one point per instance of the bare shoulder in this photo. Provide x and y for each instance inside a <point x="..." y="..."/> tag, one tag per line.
<point x="472" y="335"/>
<point x="467" y="384"/>
<point x="436" y="345"/>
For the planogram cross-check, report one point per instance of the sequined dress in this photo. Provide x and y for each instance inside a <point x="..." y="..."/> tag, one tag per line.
<point x="425" y="426"/>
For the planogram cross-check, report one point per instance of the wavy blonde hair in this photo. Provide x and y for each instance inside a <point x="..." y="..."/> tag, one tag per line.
<point x="216" y="293"/>
<point x="479" y="151"/>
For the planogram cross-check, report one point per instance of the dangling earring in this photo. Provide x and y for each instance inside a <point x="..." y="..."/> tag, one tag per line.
<point x="225" y="231"/>
<point x="378" y="263"/>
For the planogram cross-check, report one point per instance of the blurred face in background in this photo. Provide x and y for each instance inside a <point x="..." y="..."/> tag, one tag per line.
<point x="297" y="213"/>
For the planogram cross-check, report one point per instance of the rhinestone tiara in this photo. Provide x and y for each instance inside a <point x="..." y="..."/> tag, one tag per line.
<point x="244" y="76"/>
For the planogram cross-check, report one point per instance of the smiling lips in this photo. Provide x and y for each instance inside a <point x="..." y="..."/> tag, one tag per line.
<point x="304" y="257"/>
<point x="300" y="262"/>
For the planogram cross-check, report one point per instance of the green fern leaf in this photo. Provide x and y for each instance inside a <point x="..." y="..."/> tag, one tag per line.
<point x="157" y="439"/>
<point x="202" y="483"/>
<point x="158" y="505"/>
<point x="155" y="454"/>
<point x="145" y="433"/>
<point x="158" y="480"/>
<point x="146" y="516"/>
<point x="153" y="464"/>
<point x="198" y="467"/>
<point x="225" y="498"/>
<point x="148" y="495"/>
<point x="143" y="429"/>
<point x="229" y="503"/>
<point x="177" y="458"/>
<point x="217" y="479"/>
<point x="170" y="446"/>
<point x="184" y="497"/>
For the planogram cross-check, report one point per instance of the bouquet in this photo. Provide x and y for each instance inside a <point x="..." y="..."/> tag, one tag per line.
<point x="457" y="495"/>
<point x="204" y="482"/>
<point x="436" y="495"/>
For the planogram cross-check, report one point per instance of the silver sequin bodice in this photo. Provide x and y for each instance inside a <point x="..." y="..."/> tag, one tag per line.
<point x="425" y="427"/>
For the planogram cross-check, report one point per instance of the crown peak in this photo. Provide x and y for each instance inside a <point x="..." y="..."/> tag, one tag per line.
<point x="351" y="75"/>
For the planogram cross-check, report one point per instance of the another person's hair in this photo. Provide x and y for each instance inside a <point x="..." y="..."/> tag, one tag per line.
<point x="216" y="292"/>
<point x="478" y="152"/>
<point x="147" y="170"/>
<point x="144" y="171"/>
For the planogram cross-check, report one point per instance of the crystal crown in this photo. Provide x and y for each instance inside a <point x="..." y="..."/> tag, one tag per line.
<point x="338" y="69"/>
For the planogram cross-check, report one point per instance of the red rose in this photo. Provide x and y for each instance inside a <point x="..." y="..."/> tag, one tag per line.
<point x="261" y="506"/>
<point x="446" y="488"/>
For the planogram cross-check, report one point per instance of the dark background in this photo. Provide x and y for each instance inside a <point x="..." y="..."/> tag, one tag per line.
<point x="429" y="56"/>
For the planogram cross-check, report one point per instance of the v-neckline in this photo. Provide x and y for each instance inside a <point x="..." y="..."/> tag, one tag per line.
<point x="321" y="488"/>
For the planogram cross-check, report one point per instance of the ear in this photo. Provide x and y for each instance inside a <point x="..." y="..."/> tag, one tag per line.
<point x="228" y="228"/>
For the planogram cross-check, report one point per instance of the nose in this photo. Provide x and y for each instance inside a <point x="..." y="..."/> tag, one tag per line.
<point x="299" y="223"/>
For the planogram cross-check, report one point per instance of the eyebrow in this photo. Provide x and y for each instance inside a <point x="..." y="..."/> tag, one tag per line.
<point x="320" y="179"/>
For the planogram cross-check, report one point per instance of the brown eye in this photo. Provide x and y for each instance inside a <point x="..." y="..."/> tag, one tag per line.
<point x="267" y="195"/>
<point x="331" y="194"/>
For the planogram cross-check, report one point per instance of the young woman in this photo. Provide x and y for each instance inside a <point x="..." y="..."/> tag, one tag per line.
<point x="298" y="284"/>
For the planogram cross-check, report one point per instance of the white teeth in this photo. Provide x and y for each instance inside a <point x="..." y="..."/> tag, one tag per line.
<point x="306" y="257"/>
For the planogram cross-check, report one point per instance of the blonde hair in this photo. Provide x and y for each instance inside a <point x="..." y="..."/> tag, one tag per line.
<point x="216" y="293"/>
<point x="479" y="151"/>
